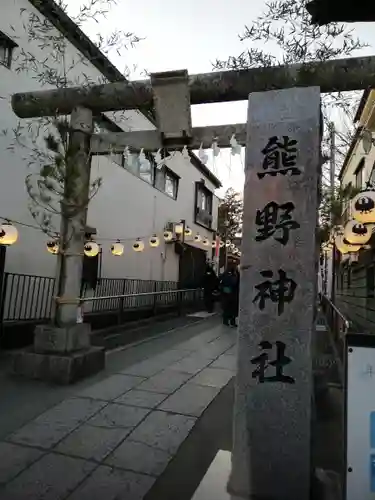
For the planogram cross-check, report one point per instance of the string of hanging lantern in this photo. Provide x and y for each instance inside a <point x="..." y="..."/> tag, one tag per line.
<point x="9" y="235"/>
<point x="357" y="232"/>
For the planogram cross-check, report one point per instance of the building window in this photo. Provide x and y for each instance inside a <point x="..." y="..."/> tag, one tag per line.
<point x="203" y="205"/>
<point x="370" y="282"/>
<point x="6" y="50"/>
<point x="359" y="174"/>
<point x="171" y="184"/>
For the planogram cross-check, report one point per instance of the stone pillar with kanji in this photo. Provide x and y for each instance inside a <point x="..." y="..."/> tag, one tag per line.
<point x="272" y="417"/>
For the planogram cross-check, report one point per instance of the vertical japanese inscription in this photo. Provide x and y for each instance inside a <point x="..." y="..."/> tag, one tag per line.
<point x="280" y="157"/>
<point x="263" y="363"/>
<point x="280" y="291"/>
<point x="277" y="221"/>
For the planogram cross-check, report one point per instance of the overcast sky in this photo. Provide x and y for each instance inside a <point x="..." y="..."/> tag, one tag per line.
<point x="192" y="35"/>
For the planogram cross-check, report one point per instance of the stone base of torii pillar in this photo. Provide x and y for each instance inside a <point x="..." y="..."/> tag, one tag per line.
<point x="59" y="355"/>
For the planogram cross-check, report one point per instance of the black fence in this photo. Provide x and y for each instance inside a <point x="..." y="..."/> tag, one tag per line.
<point x="30" y="298"/>
<point x="26" y="297"/>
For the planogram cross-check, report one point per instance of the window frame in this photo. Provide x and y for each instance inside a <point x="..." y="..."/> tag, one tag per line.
<point x="9" y="46"/>
<point x="175" y="179"/>
<point x="359" y="171"/>
<point x="201" y="188"/>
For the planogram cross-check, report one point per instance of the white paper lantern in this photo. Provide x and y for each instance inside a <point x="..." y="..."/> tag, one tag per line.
<point x="363" y="206"/>
<point x="205" y="242"/>
<point x="188" y="231"/>
<point x="8" y="234"/>
<point x="197" y="238"/>
<point x="168" y="235"/>
<point x="214" y="244"/>
<point x="222" y="244"/>
<point x="91" y="249"/>
<point x="52" y="247"/>
<point x="154" y="241"/>
<point x="117" y="249"/>
<point x="138" y="245"/>
<point x="227" y="244"/>
<point x="357" y="233"/>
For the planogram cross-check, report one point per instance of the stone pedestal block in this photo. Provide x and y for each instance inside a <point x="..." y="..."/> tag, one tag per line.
<point x="58" y="368"/>
<point x="50" y="339"/>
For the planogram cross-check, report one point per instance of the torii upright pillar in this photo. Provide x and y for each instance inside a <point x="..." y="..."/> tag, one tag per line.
<point x="272" y="416"/>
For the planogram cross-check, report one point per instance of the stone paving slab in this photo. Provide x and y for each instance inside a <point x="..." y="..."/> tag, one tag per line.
<point x="165" y="382"/>
<point x="116" y="436"/>
<point x="190" y="399"/>
<point x="112" y="387"/>
<point x="213" y="377"/>
<point x="116" y="415"/>
<point x="54" y="424"/>
<point x="212" y="350"/>
<point x="143" y="399"/>
<point x="15" y="458"/>
<point x="232" y="351"/>
<point x="164" y="431"/>
<point x="107" y="483"/>
<point x="226" y="361"/>
<point x="192" y="364"/>
<point x="145" y="369"/>
<point x="51" y="478"/>
<point x="154" y="365"/>
<point x="139" y="457"/>
<point x="93" y="443"/>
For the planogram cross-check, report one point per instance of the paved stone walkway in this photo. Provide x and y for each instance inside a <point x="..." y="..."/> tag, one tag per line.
<point x="113" y="439"/>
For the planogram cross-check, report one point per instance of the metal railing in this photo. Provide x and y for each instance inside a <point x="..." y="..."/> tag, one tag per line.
<point x="338" y="324"/>
<point x="154" y="301"/>
<point x="30" y="298"/>
<point x="26" y="297"/>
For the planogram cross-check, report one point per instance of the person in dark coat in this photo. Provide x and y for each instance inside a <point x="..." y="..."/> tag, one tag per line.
<point x="210" y="285"/>
<point x="229" y="287"/>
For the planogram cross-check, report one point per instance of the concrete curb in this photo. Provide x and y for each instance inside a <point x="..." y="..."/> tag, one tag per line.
<point x="157" y="336"/>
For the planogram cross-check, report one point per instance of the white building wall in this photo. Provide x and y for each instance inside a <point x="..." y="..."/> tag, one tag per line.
<point x="124" y="207"/>
<point x="137" y="209"/>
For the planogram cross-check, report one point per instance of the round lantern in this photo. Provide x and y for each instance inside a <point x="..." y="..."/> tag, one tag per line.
<point x="188" y="231"/>
<point x="227" y="244"/>
<point x="53" y="247"/>
<point x="343" y="247"/>
<point x="168" y="235"/>
<point x="91" y="249"/>
<point x="205" y="242"/>
<point x="138" y="245"/>
<point x="117" y="249"/>
<point x="222" y="244"/>
<point x="154" y="241"/>
<point x="357" y="233"/>
<point x="340" y="245"/>
<point x="179" y="228"/>
<point x="8" y="234"/>
<point x="364" y="207"/>
<point x="197" y="238"/>
<point x="214" y="244"/>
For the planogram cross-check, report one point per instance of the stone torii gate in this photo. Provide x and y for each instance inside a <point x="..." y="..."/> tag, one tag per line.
<point x="272" y="416"/>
